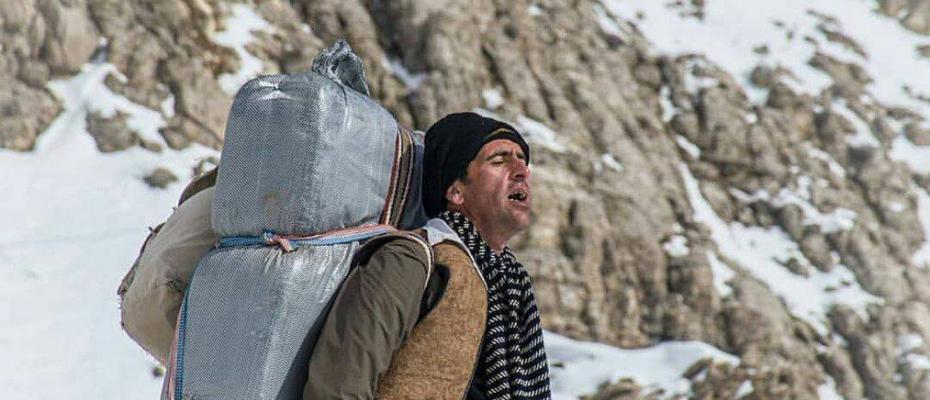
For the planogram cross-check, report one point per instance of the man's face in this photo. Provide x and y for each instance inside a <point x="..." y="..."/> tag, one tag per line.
<point x="496" y="192"/>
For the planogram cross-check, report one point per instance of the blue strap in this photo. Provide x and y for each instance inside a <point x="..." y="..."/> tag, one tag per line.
<point x="269" y="238"/>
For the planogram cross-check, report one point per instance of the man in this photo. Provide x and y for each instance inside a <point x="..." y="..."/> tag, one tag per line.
<point x="456" y="318"/>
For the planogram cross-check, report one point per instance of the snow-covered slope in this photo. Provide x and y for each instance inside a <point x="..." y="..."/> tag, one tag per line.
<point x="73" y="220"/>
<point x="731" y="31"/>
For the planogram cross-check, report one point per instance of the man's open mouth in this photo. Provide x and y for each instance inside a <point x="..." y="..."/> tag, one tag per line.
<point x="517" y="196"/>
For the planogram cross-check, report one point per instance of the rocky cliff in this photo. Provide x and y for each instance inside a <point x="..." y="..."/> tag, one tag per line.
<point x="674" y="200"/>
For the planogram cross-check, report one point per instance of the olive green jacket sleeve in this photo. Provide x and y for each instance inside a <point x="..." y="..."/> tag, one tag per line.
<point x="374" y="312"/>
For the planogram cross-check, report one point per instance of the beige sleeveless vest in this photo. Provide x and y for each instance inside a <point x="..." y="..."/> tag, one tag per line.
<point x="439" y="358"/>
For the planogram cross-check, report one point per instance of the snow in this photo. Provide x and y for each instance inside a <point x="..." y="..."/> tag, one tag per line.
<point x="897" y="207"/>
<point x="539" y="133"/>
<point x="609" y="25"/>
<point x="79" y="217"/>
<point x="534" y="10"/>
<point x="821" y="155"/>
<point x="909" y="342"/>
<point x="839" y="340"/>
<point x="763" y="251"/>
<point x="863" y="136"/>
<point x="744" y="389"/>
<point x="917" y="361"/>
<point x="695" y="83"/>
<point x="760" y="195"/>
<point x="676" y="246"/>
<point x="827" y="391"/>
<point x="411" y="80"/>
<point x="492" y="98"/>
<point x="579" y="367"/>
<point x="688" y="147"/>
<point x="167" y="106"/>
<point x="838" y="220"/>
<point x="722" y="274"/>
<point x="78" y="93"/>
<point x="532" y="130"/>
<point x="907" y="345"/>
<point x="665" y="102"/>
<point x="921" y="257"/>
<point x="916" y="157"/>
<point x="611" y="162"/>
<point x="238" y="34"/>
<point x="731" y="29"/>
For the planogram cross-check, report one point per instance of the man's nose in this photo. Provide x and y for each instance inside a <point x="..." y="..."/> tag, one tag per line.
<point x="520" y="172"/>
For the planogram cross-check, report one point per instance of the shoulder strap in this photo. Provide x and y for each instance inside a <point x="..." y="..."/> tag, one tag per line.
<point x="375" y="243"/>
<point x="205" y="180"/>
<point x="436" y="275"/>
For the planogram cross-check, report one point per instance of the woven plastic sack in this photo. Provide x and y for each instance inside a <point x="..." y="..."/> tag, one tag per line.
<point x="151" y="292"/>
<point x="311" y="167"/>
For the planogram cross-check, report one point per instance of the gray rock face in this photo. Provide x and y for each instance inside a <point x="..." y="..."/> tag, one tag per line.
<point x="70" y="37"/>
<point x="111" y="134"/>
<point x="624" y="389"/>
<point x="24" y="113"/>
<point x="610" y="185"/>
<point x="160" y="178"/>
<point x="913" y="14"/>
<point x="26" y="108"/>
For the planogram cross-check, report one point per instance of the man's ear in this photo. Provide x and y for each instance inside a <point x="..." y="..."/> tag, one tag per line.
<point x="454" y="195"/>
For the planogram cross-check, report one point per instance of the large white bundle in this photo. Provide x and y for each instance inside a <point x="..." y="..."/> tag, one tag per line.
<point x="310" y="168"/>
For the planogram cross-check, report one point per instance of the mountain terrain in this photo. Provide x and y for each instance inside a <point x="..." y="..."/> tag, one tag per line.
<point x="732" y="199"/>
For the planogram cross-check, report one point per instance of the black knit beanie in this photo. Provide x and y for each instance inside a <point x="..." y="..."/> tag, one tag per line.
<point x="450" y="145"/>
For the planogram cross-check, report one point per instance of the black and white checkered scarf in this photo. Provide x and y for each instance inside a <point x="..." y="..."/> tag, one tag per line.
<point x="513" y="359"/>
